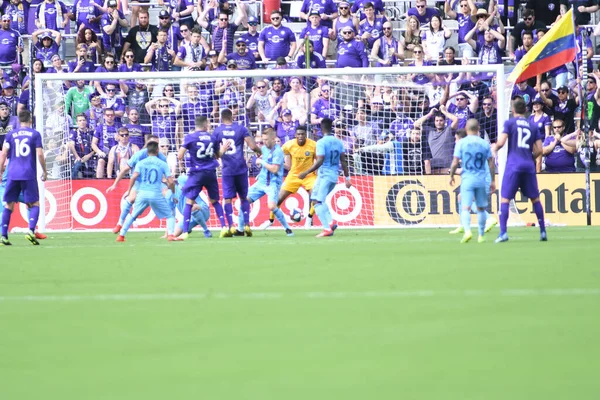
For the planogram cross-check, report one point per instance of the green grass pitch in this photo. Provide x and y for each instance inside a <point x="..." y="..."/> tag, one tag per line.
<point x="367" y="314"/>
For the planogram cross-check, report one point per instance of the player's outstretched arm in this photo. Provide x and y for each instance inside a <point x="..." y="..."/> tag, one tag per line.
<point x="132" y="182"/>
<point x="126" y="168"/>
<point x="181" y="153"/>
<point x="492" y="166"/>
<point x="453" y="168"/>
<point x="3" y="157"/>
<point x="252" y="144"/>
<point x="314" y="167"/>
<point x="344" y="161"/>
<point x="42" y="161"/>
<point x="537" y="148"/>
<point x="501" y="141"/>
<point x="272" y="168"/>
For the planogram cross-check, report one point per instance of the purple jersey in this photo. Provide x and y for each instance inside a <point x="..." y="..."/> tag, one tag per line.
<point x="359" y="5"/>
<point x="45" y="53"/>
<point x="251" y="42"/>
<point x="352" y="54"/>
<point x="19" y="16"/>
<point x="277" y="41"/>
<point x="82" y="141"/>
<point x="53" y="14"/>
<point x="387" y="50"/>
<point x="465" y="24"/>
<point x="165" y="126"/>
<point x="234" y="162"/>
<point x="106" y="136"/>
<point x="201" y="146"/>
<point x="189" y="111"/>
<point x="247" y="61"/>
<point x="115" y="39"/>
<point x="10" y="39"/>
<point x="217" y="33"/>
<point x="375" y="29"/>
<point x="528" y="95"/>
<point x="316" y="35"/>
<point x="540" y="122"/>
<point x="85" y="11"/>
<point x="286" y="130"/>
<point x="22" y="144"/>
<point x="320" y="6"/>
<point x="137" y="134"/>
<point x="341" y="25"/>
<point x="463" y="114"/>
<point x="424" y="19"/>
<point x="560" y="160"/>
<point x="521" y="137"/>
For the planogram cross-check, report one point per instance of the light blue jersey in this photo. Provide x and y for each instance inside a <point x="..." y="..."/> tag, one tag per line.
<point x="272" y="156"/>
<point x="141" y="155"/>
<point x="331" y="148"/>
<point x="474" y="153"/>
<point x="151" y="171"/>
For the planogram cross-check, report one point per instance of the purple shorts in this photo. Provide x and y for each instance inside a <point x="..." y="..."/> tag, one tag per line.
<point x="233" y="184"/>
<point x="30" y="190"/>
<point x="514" y="180"/>
<point x="199" y="180"/>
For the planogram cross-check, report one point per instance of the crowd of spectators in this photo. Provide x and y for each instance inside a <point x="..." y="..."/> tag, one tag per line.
<point x="391" y="124"/>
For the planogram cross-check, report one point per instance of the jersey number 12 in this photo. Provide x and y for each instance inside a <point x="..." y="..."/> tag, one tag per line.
<point x="524" y="135"/>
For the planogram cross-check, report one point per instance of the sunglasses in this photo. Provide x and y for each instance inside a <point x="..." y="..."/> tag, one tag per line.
<point x="275" y="18"/>
<point x="241" y="45"/>
<point x="184" y="30"/>
<point x="460" y="98"/>
<point x="252" y="23"/>
<point x="109" y="62"/>
<point x="129" y="56"/>
<point x="164" y="146"/>
<point x="385" y="28"/>
<point x="343" y="8"/>
<point x="464" y="5"/>
<point x="223" y="19"/>
<point x="110" y="90"/>
<point x="261" y="87"/>
<point x="417" y="52"/>
<point x="481" y="17"/>
<point x="109" y="115"/>
<point x="325" y="90"/>
<point x="562" y="91"/>
<point x="529" y="19"/>
<point x="487" y="104"/>
<point x="124" y="135"/>
<point x="164" y="17"/>
<point x="420" y="6"/>
<point x="558" y="127"/>
<point x="347" y="32"/>
<point x="545" y="90"/>
<point x="259" y="142"/>
<point x="169" y="90"/>
<point x="232" y="66"/>
<point x="163" y="105"/>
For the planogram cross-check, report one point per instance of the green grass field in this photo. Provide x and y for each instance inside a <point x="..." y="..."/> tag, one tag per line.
<point x="377" y="314"/>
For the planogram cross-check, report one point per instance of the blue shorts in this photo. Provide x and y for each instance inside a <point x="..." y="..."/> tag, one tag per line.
<point x="479" y="194"/>
<point x="158" y="203"/>
<point x="199" y="180"/>
<point x="28" y="188"/>
<point x="259" y="189"/>
<point x="235" y="184"/>
<point x="322" y="188"/>
<point x="514" y="180"/>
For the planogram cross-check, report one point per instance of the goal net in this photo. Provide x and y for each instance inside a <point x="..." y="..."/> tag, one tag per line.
<point x="398" y="137"/>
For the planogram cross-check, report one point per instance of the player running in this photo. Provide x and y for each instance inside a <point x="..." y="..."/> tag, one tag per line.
<point x="204" y="151"/>
<point x="127" y="201"/>
<point x="476" y="177"/>
<point x="490" y="221"/>
<point x="151" y="172"/>
<point x="235" y="170"/>
<point x="268" y="182"/>
<point x="330" y="151"/>
<point x="299" y="155"/>
<point x="524" y="139"/>
<point x="23" y="147"/>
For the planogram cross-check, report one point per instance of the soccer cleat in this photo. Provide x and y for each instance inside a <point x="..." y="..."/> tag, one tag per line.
<point x="333" y="226"/>
<point x="543" y="237"/>
<point x="232" y="230"/>
<point x="183" y="236"/>
<point x="31" y="237"/>
<point x="501" y="238"/>
<point x="458" y="230"/>
<point x="467" y="237"/>
<point x="117" y="229"/>
<point x="289" y="232"/>
<point x="173" y="238"/>
<point x="120" y="238"/>
<point x="489" y="224"/>
<point x="40" y="236"/>
<point x="4" y="241"/>
<point x="237" y="233"/>
<point x="248" y="231"/>
<point x="265" y="225"/>
<point x="325" y="233"/>
<point x="308" y="223"/>
<point x="225" y="232"/>
<point x="481" y="239"/>
<point x="207" y="234"/>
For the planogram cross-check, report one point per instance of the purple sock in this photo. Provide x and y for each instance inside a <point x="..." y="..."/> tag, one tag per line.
<point x="229" y="214"/>
<point x="5" y="221"/>
<point x="246" y="211"/>
<point x="34" y="215"/>
<point x="503" y="217"/>
<point x="539" y="212"/>
<point x="187" y="215"/>
<point x="219" y="211"/>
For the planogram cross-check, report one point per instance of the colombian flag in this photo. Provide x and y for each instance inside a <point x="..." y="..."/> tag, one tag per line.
<point x="557" y="47"/>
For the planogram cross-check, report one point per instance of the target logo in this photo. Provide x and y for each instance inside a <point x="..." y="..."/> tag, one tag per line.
<point x="300" y="200"/>
<point x="88" y="206"/>
<point x="345" y="204"/>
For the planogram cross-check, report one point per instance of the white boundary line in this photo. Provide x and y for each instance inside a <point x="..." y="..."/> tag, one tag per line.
<point x="304" y="295"/>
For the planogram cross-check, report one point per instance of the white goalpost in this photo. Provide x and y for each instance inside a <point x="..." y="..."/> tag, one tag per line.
<point x="397" y="169"/>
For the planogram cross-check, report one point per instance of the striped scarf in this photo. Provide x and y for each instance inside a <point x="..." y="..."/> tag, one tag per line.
<point x="59" y="15"/>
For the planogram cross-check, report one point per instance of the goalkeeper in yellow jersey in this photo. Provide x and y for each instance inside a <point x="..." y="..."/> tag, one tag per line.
<point x="299" y="156"/>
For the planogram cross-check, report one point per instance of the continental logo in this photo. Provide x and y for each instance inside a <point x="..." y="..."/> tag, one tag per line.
<point x="431" y="200"/>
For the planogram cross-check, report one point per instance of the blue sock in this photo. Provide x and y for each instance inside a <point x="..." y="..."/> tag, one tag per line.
<point x="229" y="214"/>
<point x="246" y="211"/>
<point x="198" y="216"/>
<point x="503" y="217"/>
<point x="34" y="215"/>
<point x="126" y="225"/>
<point x="475" y="211"/>
<point x="324" y="216"/>
<point x="171" y="225"/>
<point x="241" y="220"/>
<point x="539" y="213"/>
<point x="219" y="211"/>
<point x="5" y="221"/>
<point x="481" y="218"/>
<point x="187" y="215"/>
<point x="281" y="218"/>
<point x="465" y="219"/>
<point x="125" y="208"/>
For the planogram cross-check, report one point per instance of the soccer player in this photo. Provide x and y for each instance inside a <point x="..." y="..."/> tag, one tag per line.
<point x="127" y="201"/>
<point x="330" y="151"/>
<point x="490" y="221"/>
<point x="475" y="153"/>
<point x="235" y="170"/>
<point x="23" y="147"/>
<point x="151" y="172"/>
<point x="299" y="156"/>
<point x="524" y="139"/>
<point x="200" y="210"/>
<point x="268" y="182"/>
<point x="204" y="151"/>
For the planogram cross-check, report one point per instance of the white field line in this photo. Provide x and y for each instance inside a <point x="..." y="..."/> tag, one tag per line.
<point x="303" y="295"/>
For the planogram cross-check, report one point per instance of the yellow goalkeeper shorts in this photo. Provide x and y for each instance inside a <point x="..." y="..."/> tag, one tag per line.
<point x="292" y="183"/>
